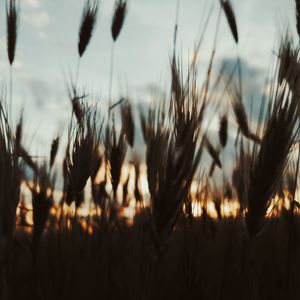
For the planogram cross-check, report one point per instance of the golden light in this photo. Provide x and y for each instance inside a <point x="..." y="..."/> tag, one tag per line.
<point x="229" y="208"/>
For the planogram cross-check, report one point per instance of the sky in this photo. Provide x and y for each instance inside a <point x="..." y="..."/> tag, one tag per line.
<point x="47" y="52"/>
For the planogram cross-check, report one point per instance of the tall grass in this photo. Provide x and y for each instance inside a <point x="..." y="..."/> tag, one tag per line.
<point x="176" y="245"/>
<point x="12" y="22"/>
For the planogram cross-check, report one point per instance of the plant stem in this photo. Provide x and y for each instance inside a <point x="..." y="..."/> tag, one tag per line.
<point x="10" y="93"/>
<point x="77" y="73"/>
<point x="176" y="28"/>
<point x="111" y="71"/>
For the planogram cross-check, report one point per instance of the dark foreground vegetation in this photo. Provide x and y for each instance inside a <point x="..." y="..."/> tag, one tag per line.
<point x="206" y="259"/>
<point x="166" y="252"/>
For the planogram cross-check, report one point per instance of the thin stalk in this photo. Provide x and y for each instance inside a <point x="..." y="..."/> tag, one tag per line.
<point x="10" y="92"/>
<point x="111" y="71"/>
<point x="77" y="72"/>
<point x="176" y="28"/>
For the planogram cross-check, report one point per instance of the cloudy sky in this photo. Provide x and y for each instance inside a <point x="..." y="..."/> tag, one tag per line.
<point x="47" y="51"/>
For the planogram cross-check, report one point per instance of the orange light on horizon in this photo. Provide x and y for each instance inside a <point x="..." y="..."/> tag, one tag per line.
<point x="201" y="199"/>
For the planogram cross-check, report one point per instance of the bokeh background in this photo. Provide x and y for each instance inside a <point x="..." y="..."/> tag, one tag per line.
<point x="46" y="54"/>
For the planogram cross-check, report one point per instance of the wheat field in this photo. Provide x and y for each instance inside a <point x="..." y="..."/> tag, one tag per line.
<point x="109" y="222"/>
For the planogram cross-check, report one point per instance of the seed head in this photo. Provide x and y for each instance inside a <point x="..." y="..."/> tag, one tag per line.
<point x="88" y="21"/>
<point x="118" y="18"/>
<point x="12" y="18"/>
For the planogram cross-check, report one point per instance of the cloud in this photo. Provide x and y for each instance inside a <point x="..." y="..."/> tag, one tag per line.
<point x="33" y="3"/>
<point x="39" y="90"/>
<point x="153" y="89"/>
<point x="253" y="81"/>
<point x="46" y="95"/>
<point x="42" y="35"/>
<point x="38" y="19"/>
<point x="249" y="72"/>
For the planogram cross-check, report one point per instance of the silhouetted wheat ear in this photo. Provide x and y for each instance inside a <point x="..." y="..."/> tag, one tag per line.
<point x="212" y="169"/>
<point x="53" y="151"/>
<point x="118" y="18"/>
<point x="241" y="175"/>
<point x="228" y="10"/>
<point x="242" y="120"/>
<point x="88" y="21"/>
<point x="42" y="200"/>
<point x="298" y="16"/>
<point x="241" y="116"/>
<point x="10" y="180"/>
<point x="97" y="165"/>
<point x="115" y="152"/>
<point x="212" y="152"/>
<point x="27" y="159"/>
<point x="128" y="124"/>
<point x="176" y="80"/>
<point x="288" y="63"/>
<point x="223" y="130"/>
<point x="12" y="18"/>
<point x="268" y="164"/>
<point x="81" y="155"/>
<point x="286" y="59"/>
<point x="19" y="133"/>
